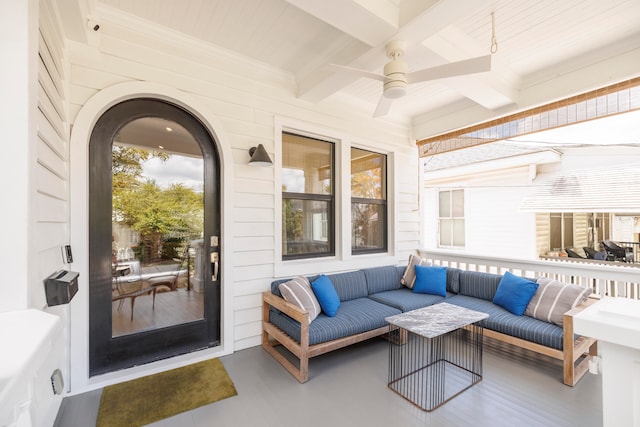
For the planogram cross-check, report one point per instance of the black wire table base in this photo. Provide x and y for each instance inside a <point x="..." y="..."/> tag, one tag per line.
<point x="428" y="372"/>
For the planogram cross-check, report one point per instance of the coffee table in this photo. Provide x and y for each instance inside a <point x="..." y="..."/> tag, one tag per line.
<point x="435" y="353"/>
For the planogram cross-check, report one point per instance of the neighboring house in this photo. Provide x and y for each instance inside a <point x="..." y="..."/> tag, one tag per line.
<point x="522" y="201"/>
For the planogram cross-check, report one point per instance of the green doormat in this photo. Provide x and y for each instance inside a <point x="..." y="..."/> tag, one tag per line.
<point x="153" y="398"/>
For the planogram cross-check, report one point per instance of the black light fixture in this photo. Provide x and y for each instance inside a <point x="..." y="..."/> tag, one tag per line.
<point x="259" y="156"/>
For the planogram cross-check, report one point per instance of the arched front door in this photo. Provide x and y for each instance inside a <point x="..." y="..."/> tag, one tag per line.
<point x="154" y="235"/>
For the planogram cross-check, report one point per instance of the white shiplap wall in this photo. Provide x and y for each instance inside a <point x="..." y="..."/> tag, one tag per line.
<point x="52" y="151"/>
<point x="246" y="101"/>
<point x="49" y="172"/>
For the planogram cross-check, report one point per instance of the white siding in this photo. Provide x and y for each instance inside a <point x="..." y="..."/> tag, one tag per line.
<point x="543" y="235"/>
<point x="52" y="153"/>
<point x="580" y="231"/>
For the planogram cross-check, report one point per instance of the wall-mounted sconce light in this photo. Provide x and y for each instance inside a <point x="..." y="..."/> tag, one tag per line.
<point x="259" y="156"/>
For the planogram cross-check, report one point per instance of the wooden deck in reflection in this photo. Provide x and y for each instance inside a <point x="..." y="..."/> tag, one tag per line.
<point x="171" y="308"/>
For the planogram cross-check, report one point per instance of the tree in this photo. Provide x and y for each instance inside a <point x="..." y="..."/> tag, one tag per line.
<point x="146" y="208"/>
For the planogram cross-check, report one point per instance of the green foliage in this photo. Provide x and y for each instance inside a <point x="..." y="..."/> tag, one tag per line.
<point x="126" y="167"/>
<point x="292" y="219"/>
<point x="149" y="210"/>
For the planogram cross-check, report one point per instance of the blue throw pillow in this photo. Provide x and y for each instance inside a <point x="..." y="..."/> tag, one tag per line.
<point x="431" y="280"/>
<point x="326" y="294"/>
<point x="514" y="293"/>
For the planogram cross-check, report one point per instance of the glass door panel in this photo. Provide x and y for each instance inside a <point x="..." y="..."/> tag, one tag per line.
<point x="157" y="226"/>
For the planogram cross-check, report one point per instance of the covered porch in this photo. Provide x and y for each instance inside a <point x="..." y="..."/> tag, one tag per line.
<point x="349" y="386"/>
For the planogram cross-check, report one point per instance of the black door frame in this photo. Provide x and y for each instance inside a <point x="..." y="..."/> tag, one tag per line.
<point x="107" y="353"/>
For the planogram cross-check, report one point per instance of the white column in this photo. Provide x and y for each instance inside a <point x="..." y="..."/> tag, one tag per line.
<point x="18" y="86"/>
<point x="615" y="323"/>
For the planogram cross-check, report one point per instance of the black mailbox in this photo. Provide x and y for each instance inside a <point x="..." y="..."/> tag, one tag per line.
<point x="61" y="286"/>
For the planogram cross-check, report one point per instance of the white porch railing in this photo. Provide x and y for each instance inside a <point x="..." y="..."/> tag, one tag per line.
<point x="605" y="278"/>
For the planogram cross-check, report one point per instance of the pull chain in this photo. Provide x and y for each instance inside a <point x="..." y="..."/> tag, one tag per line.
<point x="494" y="41"/>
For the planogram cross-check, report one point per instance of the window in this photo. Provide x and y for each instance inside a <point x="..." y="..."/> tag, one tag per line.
<point x="368" y="201"/>
<point x="307" y="197"/>
<point x="451" y="218"/>
<point x="561" y="230"/>
<point x="602" y="227"/>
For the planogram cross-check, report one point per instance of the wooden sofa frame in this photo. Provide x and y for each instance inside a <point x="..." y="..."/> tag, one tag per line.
<point x="575" y="364"/>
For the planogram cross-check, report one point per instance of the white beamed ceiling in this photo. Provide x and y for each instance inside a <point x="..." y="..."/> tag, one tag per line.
<point x="542" y="45"/>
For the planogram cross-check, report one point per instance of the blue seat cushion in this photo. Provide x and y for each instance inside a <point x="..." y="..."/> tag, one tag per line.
<point x="380" y="279"/>
<point x="405" y="299"/>
<point x="501" y="320"/>
<point x="355" y="316"/>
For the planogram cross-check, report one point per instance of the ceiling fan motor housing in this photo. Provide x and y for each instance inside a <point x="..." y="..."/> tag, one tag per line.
<point x="396" y="73"/>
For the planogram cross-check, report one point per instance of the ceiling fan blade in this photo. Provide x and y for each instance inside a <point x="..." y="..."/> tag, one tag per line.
<point x="459" y="68"/>
<point x="358" y="72"/>
<point x="383" y="106"/>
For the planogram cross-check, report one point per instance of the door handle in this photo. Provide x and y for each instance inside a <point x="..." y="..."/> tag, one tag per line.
<point x="215" y="262"/>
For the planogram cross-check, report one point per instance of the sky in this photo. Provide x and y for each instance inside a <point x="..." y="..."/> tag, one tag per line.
<point x="177" y="169"/>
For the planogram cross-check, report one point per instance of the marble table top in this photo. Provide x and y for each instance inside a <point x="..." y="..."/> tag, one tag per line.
<point x="436" y="320"/>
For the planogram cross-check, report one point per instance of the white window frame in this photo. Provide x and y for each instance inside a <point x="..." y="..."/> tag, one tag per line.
<point x="452" y="218"/>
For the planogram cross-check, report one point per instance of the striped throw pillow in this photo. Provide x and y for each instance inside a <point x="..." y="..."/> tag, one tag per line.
<point x="298" y="291"/>
<point x="554" y="298"/>
<point x="409" y="276"/>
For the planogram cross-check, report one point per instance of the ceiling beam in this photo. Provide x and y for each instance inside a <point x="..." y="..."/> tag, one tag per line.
<point x="372" y="21"/>
<point x="73" y="14"/>
<point x="492" y="90"/>
<point x="430" y="17"/>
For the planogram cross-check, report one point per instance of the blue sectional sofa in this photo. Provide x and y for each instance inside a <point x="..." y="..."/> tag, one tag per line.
<point x="370" y="295"/>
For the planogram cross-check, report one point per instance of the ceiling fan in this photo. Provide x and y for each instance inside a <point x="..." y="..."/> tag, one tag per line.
<point x="396" y="76"/>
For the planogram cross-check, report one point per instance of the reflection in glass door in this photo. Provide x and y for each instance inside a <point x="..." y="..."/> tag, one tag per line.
<point x="154" y="235"/>
<point x="157" y="226"/>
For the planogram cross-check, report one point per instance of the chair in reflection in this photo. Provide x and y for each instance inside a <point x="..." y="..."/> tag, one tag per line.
<point x="590" y="252"/>
<point x="619" y="253"/>
<point x="166" y="283"/>
<point x="601" y="255"/>
<point x="573" y="254"/>
<point x="121" y="290"/>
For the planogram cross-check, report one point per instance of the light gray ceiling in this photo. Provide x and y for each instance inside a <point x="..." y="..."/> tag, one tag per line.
<point x="538" y="43"/>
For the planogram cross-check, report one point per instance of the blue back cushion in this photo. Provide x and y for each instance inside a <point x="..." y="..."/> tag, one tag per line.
<point x="275" y="286"/>
<point x="349" y="285"/>
<point x="453" y="280"/>
<point x="479" y="285"/>
<point x="381" y="279"/>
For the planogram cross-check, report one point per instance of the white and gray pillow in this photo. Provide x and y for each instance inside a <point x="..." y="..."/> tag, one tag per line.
<point x="554" y="298"/>
<point x="409" y="276"/>
<point x="298" y="291"/>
